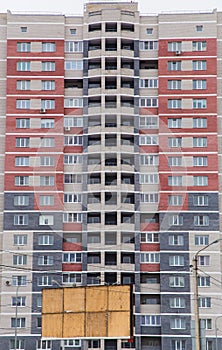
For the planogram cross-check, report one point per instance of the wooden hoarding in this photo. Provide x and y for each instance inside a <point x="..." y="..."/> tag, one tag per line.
<point x="87" y="312"/>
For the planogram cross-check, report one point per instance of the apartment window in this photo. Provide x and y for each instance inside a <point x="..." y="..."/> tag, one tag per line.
<point x="177" y="302"/>
<point x="174" y="84"/>
<point x="200" y="161"/>
<point x="23" y="47"/>
<point x="47" y="180"/>
<point x="44" y="344"/>
<point x="200" y="200"/>
<point x="19" y="259"/>
<point x="148" y="45"/>
<point x="46" y="220"/>
<point x="199" y="28"/>
<point x="21" y="219"/>
<point x="19" y="280"/>
<point x="47" y="142"/>
<point x="72" y="179"/>
<point x="175" y="141"/>
<point x="177" y="323"/>
<point x="175" y="123"/>
<point x="48" y="66"/>
<point x="151" y="320"/>
<point x="23" y="104"/>
<point x="21" y="180"/>
<point x="175" y="200"/>
<point x="20" y="344"/>
<point x="200" y="123"/>
<point x="175" y="181"/>
<point x="149" y="31"/>
<point x="201" y="240"/>
<point x="199" y="84"/>
<point x="71" y="278"/>
<point x="23" y="66"/>
<point x="176" y="240"/>
<point x="149" y="258"/>
<point x="73" y="159"/>
<point x="48" y="47"/>
<point x="74" y="65"/>
<point x="175" y="104"/>
<point x="149" y="179"/>
<point x="73" y="140"/>
<point x="73" y="103"/>
<point x="209" y="345"/>
<point x="72" y="217"/>
<point x="21" y="200"/>
<point x="45" y="260"/>
<point x="73" y="46"/>
<point x="24" y="29"/>
<point x="22" y="141"/>
<point x="204" y="302"/>
<point x="176" y="260"/>
<point x="203" y="260"/>
<point x="175" y="220"/>
<point x="149" y="197"/>
<point x="72" y="257"/>
<point x="45" y="239"/>
<point x="207" y="323"/>
<point x="46" y="200"/>
<point x="20" y="239"/>
<point x="174" y="65"/>
<point x="72" y="198"/>
<point x="23" y="85"/>
<point x="18" y="322"/>
<point x="48" y="104"/>
<point x="199" y="141"/>
<point x="150" y="122"/>
<point x="199" y="103"/>
<point x="44" y="281"/>
<point x="149" y="102"/>
<point x="73" y="122"/>
<point x="47" y="123"/>
<point x="199" y="45"/>
<point x="201" y="220"/>
<point x="47" y="161"/>
<point x="149" y="159"/>
<point x="178" y="345"/>
<point x="22" y="123"/>
<point x="174" y="161"/>
<point x="200" y="180"/>
<point x="199" y="65"/>
<point x="48" y="84"/>
<point x="95" y="344"/>
<point x="148" y="140"/>
<point x="174" y="46"/>
<point x="149" y="83"/>
<point x="149" y="237"/>
<point x="203" y="281"/>
<point x="21" y="161"/>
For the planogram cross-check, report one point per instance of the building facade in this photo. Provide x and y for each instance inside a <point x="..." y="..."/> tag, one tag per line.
<point x="110" y="167"/>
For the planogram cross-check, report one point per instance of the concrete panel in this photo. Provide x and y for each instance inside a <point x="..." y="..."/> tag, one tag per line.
<point x="188" y="181"/>
<point x="187" y="161"/>
<point x="187" y="103"/>
<point x="34" y="142"/>
<point x="35" y="103"/>
<point x="36" y="66"/>
<point x="36" y="85"/>
<point x="186" y="46"/>
<point x="34" y="161"/>
<point x="36" y="46"/>
<point x="186" y="85"/>
<point x="187" y="142"/>
<point x="187" y="123"/>
<point x="35" y="123"/>
<point x="186" y="65"/>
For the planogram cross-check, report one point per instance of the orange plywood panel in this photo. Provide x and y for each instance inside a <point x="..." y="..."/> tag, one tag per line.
<point x="96" y="299"/>
<point x="52" y="326"/>
<point x="119" y="298"/>
<point x="96" y="324"/>
<point x="74" y="299"/>
<point x="74" y="325"/>
<point x="119" y="324"/>
<point x="52" y="300"/>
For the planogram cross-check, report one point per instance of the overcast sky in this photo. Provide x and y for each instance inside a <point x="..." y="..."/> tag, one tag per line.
<point x="76" y="6"/>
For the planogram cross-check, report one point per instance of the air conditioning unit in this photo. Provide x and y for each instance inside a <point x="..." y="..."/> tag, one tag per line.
<point x="178" y="52"/>
<point x="42" y="110"/>
<point x="67" y="128"/>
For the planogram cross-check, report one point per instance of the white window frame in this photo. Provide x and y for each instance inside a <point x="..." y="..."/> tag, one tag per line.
<point x="21" y="200"/>
<point x="150" y="179"/>
<point x="174" y="142"/>
<point x="23" y="104"/>
<point x="200" y="123"/>
<point x="72" y="178"/>
<point x="47" y="181"/>
<point x="71" y="122"/>
<point x="149" y="45"/>
<point x="23" y="85"/>
<point x="21" y="219"/>
<point x="21" y="180"/>
<point x="46" y="220"/>
<point x="174" y="66"/>
<point x="45" y="239"/>
<point x="47" y="142"/>
<point x="178" y="323"/>
<point x="22" y="142"/>
<point x="199" y="141"/>
<point x="177" y="281"/>
<point x="200" y="200"/>
<point x="47" y="123"/>
<point x="148" y="159"/>
<point x="176" y="260"/>
<point x="150" y="320"/>
<point x="72" y="217"/>
<point x="48" y="66"/>
<point x="175" y="219"/>
<point x="200" y="161"/>
<point x="175" y="161"/>
<point x="48" y="104"/>
<point x="201" y="240"/>
<point x="72" y="257"/>
<point x="174" y="46"/>
<point x="48" y="47"/>
<point x="22" y="123"/>
<point x="19" y="260"/>
<point x="149" y="122"/>
<point x="20" y="239"/>
<point x="71" y="277"/>
<point x="175" y="200"/>
<point x="74" y="65"/>
<point x="199" y="65"/>
<point x="199" y="45"/>
<point x="148" y="140"/>
<point x="72" y="159"/>
<point x="204" y="302"/>
<point x="200" y="180"/>
<point x="23" y="46"/>
<point x="175" y="123"/>
<point x="203" y="260"/>
<point x="177" y="303"/>
<point x="149" y="102"/>
<point x="19" y="280"/>
<point x="73" y="46"/>
<point x="176" y="180"/>
<point x="176" y="240"/>
<point x="48" y="85"/>
<point x="150" y="258"/>
<point x="46" y="200"/>
<point x="199" y="84"/>
<point x="201" y="220"/>
<point x="174" y="103"/>
<point x="73" y="140"/>
<point x="149" y="83"/>
<point x="199" y="103"/>
<point x="44" y="280"/>
<point x="18" y="322"/>
<point x="47" y="161"/>
<point x="204" y="281"/>
<point x="178" y="344"/>
<point x="44" y="260"/>
<point x="44" y="344"/>
<point x="72" y="197"/>
<point x="73" y="102"/>
<point x="149" y="237"/>
<point x="23" y="66"/>
<point x="174" y="84"/>
<point x="149" y="197"/>
<point x="21" y="161"/>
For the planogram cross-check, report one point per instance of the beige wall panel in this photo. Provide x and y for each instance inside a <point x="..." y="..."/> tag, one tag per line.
<point x="187" y="142"/>
<point x="186" y="84"/>
<point x="3" y="70"/>
<point x="119" y="6"/>
<point x="3" y="51"/>
<point x="1" y="183"/>
<point x="187" y="161"/>
<point x="1" y="200"/>
<point x="35" y="123"/>
<point x="187" y="181"/>
<point x="148" y="92"/>
<point x="219" y="106"/>
<point x="2" y="162"/>
<point x="2" y="125"/>
<point x="219" y="86"/>
<point x="219" y="46"/>
<point x="186" y="46"/>
<point x="186" y="65"/>
<point x="36" y="85"/>
<point x="2" y="88"/>
<point x="35" y="103"/>
<point x="36" y="46"/>
<point x="36" y="66"/>
<point x="187" y="123"/>
<point x="74" y="206"/>
<point x="34" y="161"/>
<point x="219" y="124"/>
<point x="34" y="181"/>
<point x="187" y="103"/>
<point x="150" y="309"/>
<point x="150" y="53"/>
<point x="75" y="73"/>
<point x="2" y="106"/>
<point x="35" y="142"/>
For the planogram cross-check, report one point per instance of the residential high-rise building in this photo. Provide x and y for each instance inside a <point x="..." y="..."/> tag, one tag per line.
<point x="110" y="167"/>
